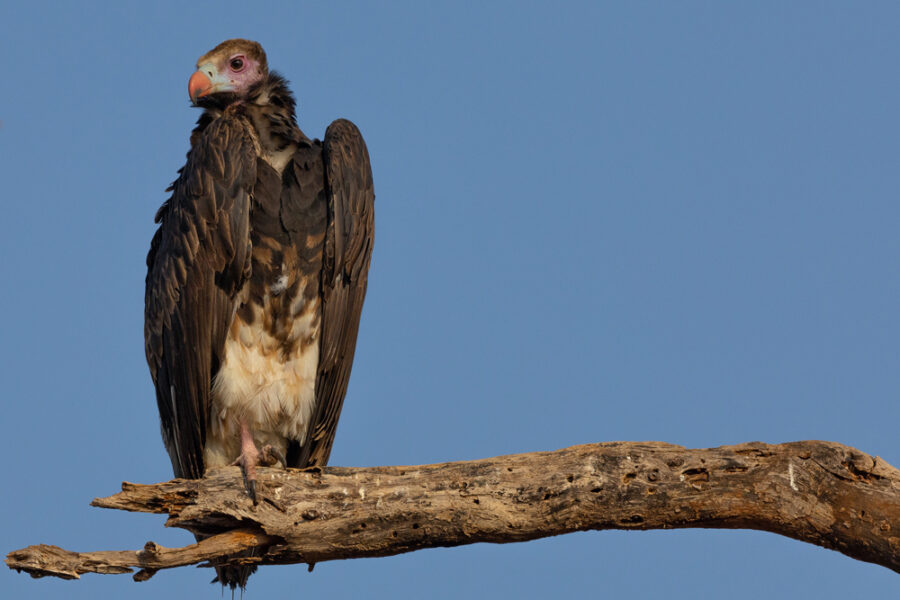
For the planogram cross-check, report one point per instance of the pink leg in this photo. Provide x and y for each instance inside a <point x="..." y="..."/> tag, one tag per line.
<point x="251" y="458"/>
<point x="248" y="461"/>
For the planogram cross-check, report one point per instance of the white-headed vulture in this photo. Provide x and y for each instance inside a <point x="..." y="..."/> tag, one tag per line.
<point x="256" y="278"/>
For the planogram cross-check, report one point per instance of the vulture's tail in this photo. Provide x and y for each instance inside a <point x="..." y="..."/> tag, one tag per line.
<point x="235" y="576"/>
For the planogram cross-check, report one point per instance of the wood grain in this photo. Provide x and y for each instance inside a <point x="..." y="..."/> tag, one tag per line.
<point x="823" y="493"/>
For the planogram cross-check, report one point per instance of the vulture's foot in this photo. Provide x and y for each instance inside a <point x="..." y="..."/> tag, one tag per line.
<point x="269" y="456"/>
<point x="248" y="461"/>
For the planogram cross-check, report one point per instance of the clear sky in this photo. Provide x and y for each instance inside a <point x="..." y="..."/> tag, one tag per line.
<point x="595" y="222"/>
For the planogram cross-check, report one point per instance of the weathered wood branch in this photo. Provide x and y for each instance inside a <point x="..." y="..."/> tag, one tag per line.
<point x="823" y="493"/>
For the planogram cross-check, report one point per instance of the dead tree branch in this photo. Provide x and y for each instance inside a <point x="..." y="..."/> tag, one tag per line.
<point x="823" y="493"/>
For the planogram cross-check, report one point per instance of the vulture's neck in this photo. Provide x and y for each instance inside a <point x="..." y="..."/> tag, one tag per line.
<point x="270" y="108"/>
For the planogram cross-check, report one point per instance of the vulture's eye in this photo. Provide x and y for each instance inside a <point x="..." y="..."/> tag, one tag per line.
<point x="237" y="64"/>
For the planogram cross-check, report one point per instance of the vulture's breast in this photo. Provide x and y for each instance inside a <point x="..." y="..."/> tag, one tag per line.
<point x="268" y="373"/>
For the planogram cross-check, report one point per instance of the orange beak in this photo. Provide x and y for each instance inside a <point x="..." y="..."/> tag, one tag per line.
<point x="199" y="85"/>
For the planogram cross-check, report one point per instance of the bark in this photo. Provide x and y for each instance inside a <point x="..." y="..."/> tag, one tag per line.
<point x="823" y="493"/>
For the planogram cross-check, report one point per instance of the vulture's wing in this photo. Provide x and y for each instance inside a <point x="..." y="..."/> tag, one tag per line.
<point x="198" y="261"/>
<point x="345" y="271"/>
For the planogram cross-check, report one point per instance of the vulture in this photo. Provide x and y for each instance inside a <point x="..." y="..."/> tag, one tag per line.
<point x="256" y="278"/>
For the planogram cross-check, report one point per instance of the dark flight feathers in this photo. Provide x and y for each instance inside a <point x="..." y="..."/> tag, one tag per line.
<point x="198" y="261"/>
<point x="345" y="272"/>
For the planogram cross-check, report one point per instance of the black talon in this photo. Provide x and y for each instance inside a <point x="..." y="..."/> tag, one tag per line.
<point x="251" y="489"/>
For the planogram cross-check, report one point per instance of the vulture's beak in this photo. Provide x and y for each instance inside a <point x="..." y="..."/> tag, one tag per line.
<point x="206" y="80"/>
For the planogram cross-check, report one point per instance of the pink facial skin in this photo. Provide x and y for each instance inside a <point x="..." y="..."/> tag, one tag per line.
<point x="235" y="74"/>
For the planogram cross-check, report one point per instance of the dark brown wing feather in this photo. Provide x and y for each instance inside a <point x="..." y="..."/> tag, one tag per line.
<point x="198" y="261"/>
<point x="348" y="250"/>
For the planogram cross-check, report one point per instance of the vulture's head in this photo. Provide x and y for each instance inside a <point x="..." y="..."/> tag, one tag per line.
<point x="228" y="72"/>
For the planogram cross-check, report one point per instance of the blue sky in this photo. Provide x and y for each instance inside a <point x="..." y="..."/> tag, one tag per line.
<point x="595" y="222"/>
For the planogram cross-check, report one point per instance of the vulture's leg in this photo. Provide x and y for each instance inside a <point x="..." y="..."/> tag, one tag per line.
<point x="248" y="461"/>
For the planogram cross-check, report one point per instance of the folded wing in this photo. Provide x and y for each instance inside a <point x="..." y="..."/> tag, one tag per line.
<point x="199" y="260"/>
<point x="348" y="251"/>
